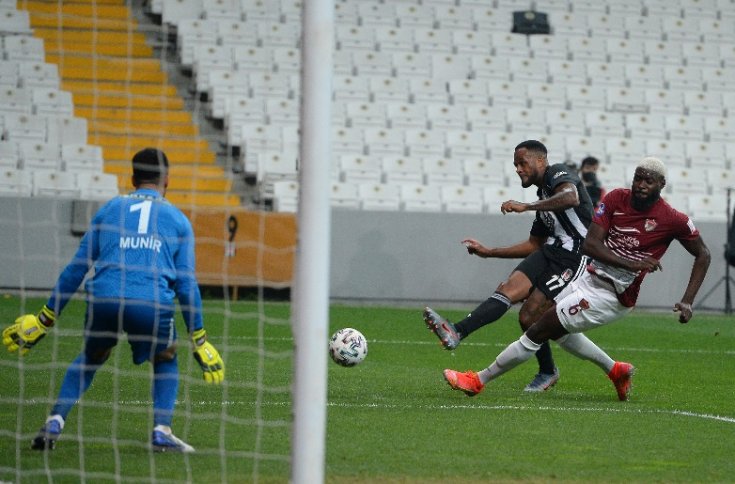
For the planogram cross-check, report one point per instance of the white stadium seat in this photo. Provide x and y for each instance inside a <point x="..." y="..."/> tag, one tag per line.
<point x="488" y="66"/>
<point x="446" y="116"/>
<point x="711" y="208"/>
<point x="623" y="151"/>
<point x="565" y="122"/>
<point x="704" y="103"/>
<point x="394" y="39"/>
<point x="462" y="199"/>
<point x="411" y="64"/>
<point x="642" y="125"/>
<point x="422" y="143"/>
<point x="389" y="89"/>
<point x="546" y="95"/>
<point x="355" y="37"/>
<point x="286" y="196"/>
<point x="665" y="101"/>
<point x="406" y="115"/>
<point x="644" y="75"/>
<point x="360" y="168"/>
<point x="402" y="169"/>
<point x="686" y="180"/>
<point x="471" y="41"/>
<point x="589" y="49"/>
<point x="705" y="155"/>
<point x="682" y="127"/>
<point x="384" y="141"/>
<point x="624" y="50"/>
<point x="529" y="70"/>
<point x="452" y="17"/>
<point x="379" y="196"/>
<point x="96" y="186"/>
<point x="600" y="123"/>
<point x="370" y="114"/>
<point x="549" y="47"/>
<point x="433" y="40"/>
<point x="671" y="151"/>
<point x="463" y="144"/>
<point x="587" y="98"/>
<point x="482" y="172"/>
<point x="54" y="184"/>
<point x="344" y="195"/>
<point x="468" y="91"/>
<point x="486" y="118"/>
<point x="420" y="198"/>
<point x="82" y="157"/>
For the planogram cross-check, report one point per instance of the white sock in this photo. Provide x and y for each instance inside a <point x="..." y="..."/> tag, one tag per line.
<point x="163" y="428"/>
<point x="582" y="347"/>
<point x="513" y="355"/>
<point x="58" y="418"/>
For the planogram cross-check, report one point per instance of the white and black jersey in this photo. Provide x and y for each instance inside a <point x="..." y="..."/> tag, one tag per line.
<point x="563" y="228"/>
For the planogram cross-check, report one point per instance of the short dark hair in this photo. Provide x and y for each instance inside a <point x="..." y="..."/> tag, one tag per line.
<point x="149" y="165"/>
<point x="590" y="161"/>
<point x="533" y="145"/>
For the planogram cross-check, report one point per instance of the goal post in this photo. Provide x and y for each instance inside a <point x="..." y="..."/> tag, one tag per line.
<point x="311" y="283"/>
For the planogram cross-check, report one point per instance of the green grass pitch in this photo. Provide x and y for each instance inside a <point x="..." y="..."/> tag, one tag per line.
<point x="392" y="418"/>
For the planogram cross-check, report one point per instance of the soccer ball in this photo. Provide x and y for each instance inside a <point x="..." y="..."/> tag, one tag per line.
<point x="348" y="347"/>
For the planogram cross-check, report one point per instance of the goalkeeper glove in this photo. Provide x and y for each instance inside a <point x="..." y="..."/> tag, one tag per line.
<point x="28" y="330"/>
<point x="208" y="357"/>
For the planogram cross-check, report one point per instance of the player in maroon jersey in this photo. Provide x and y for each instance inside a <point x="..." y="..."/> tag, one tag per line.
<point x="631" y="231"/>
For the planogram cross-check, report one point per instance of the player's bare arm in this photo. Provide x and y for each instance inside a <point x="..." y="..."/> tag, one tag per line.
<point x="516" y="251"/>
<point x="595" y="247"/>
<point x="565" y="196"/>
<point x="702" y="259"/>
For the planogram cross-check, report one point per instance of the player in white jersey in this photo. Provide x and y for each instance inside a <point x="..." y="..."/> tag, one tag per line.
<point x="631" y="231"/>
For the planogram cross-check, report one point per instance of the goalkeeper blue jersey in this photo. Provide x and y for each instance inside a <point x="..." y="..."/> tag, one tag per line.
<point x="141" y="248"/>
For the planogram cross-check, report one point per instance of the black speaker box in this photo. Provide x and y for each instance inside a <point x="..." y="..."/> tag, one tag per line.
<point x="529" y="22"/>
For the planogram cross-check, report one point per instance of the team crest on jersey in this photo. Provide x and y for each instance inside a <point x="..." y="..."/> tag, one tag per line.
<point x="566" y="276"/>
<point x="584" y="304"/>
<point x="600" y="210"/>
<point x="649" y="225"/>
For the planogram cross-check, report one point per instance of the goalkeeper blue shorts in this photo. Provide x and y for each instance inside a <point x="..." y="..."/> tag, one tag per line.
<point x="149" y="327"/>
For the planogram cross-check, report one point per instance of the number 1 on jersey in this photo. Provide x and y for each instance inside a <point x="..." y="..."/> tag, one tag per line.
<point x="145" y="215"/>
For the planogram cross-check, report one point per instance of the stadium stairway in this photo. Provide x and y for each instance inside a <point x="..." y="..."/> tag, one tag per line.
<point x="119" y="86"/>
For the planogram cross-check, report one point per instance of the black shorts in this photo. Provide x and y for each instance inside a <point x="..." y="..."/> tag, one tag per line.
<point x="551" y="269"/>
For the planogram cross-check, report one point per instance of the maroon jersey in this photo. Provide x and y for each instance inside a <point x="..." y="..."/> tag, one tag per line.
<point x="634" y="235"/>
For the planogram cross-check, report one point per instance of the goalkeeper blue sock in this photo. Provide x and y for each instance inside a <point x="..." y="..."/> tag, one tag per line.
<point x="165" y="389"/>
<point x="78" y="377"/>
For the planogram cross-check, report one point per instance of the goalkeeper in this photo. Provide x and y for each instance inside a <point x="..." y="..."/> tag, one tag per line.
<point x="142" y="251"/>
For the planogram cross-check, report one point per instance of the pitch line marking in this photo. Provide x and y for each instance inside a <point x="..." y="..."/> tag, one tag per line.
<point x="684" y="413"/>
<point x="385" y="406"/>
<point x="68" y="332"/>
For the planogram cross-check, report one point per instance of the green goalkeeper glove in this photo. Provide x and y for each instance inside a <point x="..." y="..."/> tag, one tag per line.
<point x="28" y="330"/>
<point x="208" y="357"/>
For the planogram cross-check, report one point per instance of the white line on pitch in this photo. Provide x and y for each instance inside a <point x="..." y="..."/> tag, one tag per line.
<point x="387" y="406"/>
<point x="684" y="413"/>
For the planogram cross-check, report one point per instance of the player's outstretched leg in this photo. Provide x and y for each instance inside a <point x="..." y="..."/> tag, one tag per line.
<point x="48" y="434"/>
<point x="467" y="382"/>
<point x="163" y="440"/>
<point x="442" y="328"/>
<point x="542" y="381"/>
<point x="622" y="375"/>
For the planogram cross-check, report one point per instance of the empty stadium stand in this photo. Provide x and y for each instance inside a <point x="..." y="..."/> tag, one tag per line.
<point x="88" y="61"/>
<point x="419" y="82"/>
